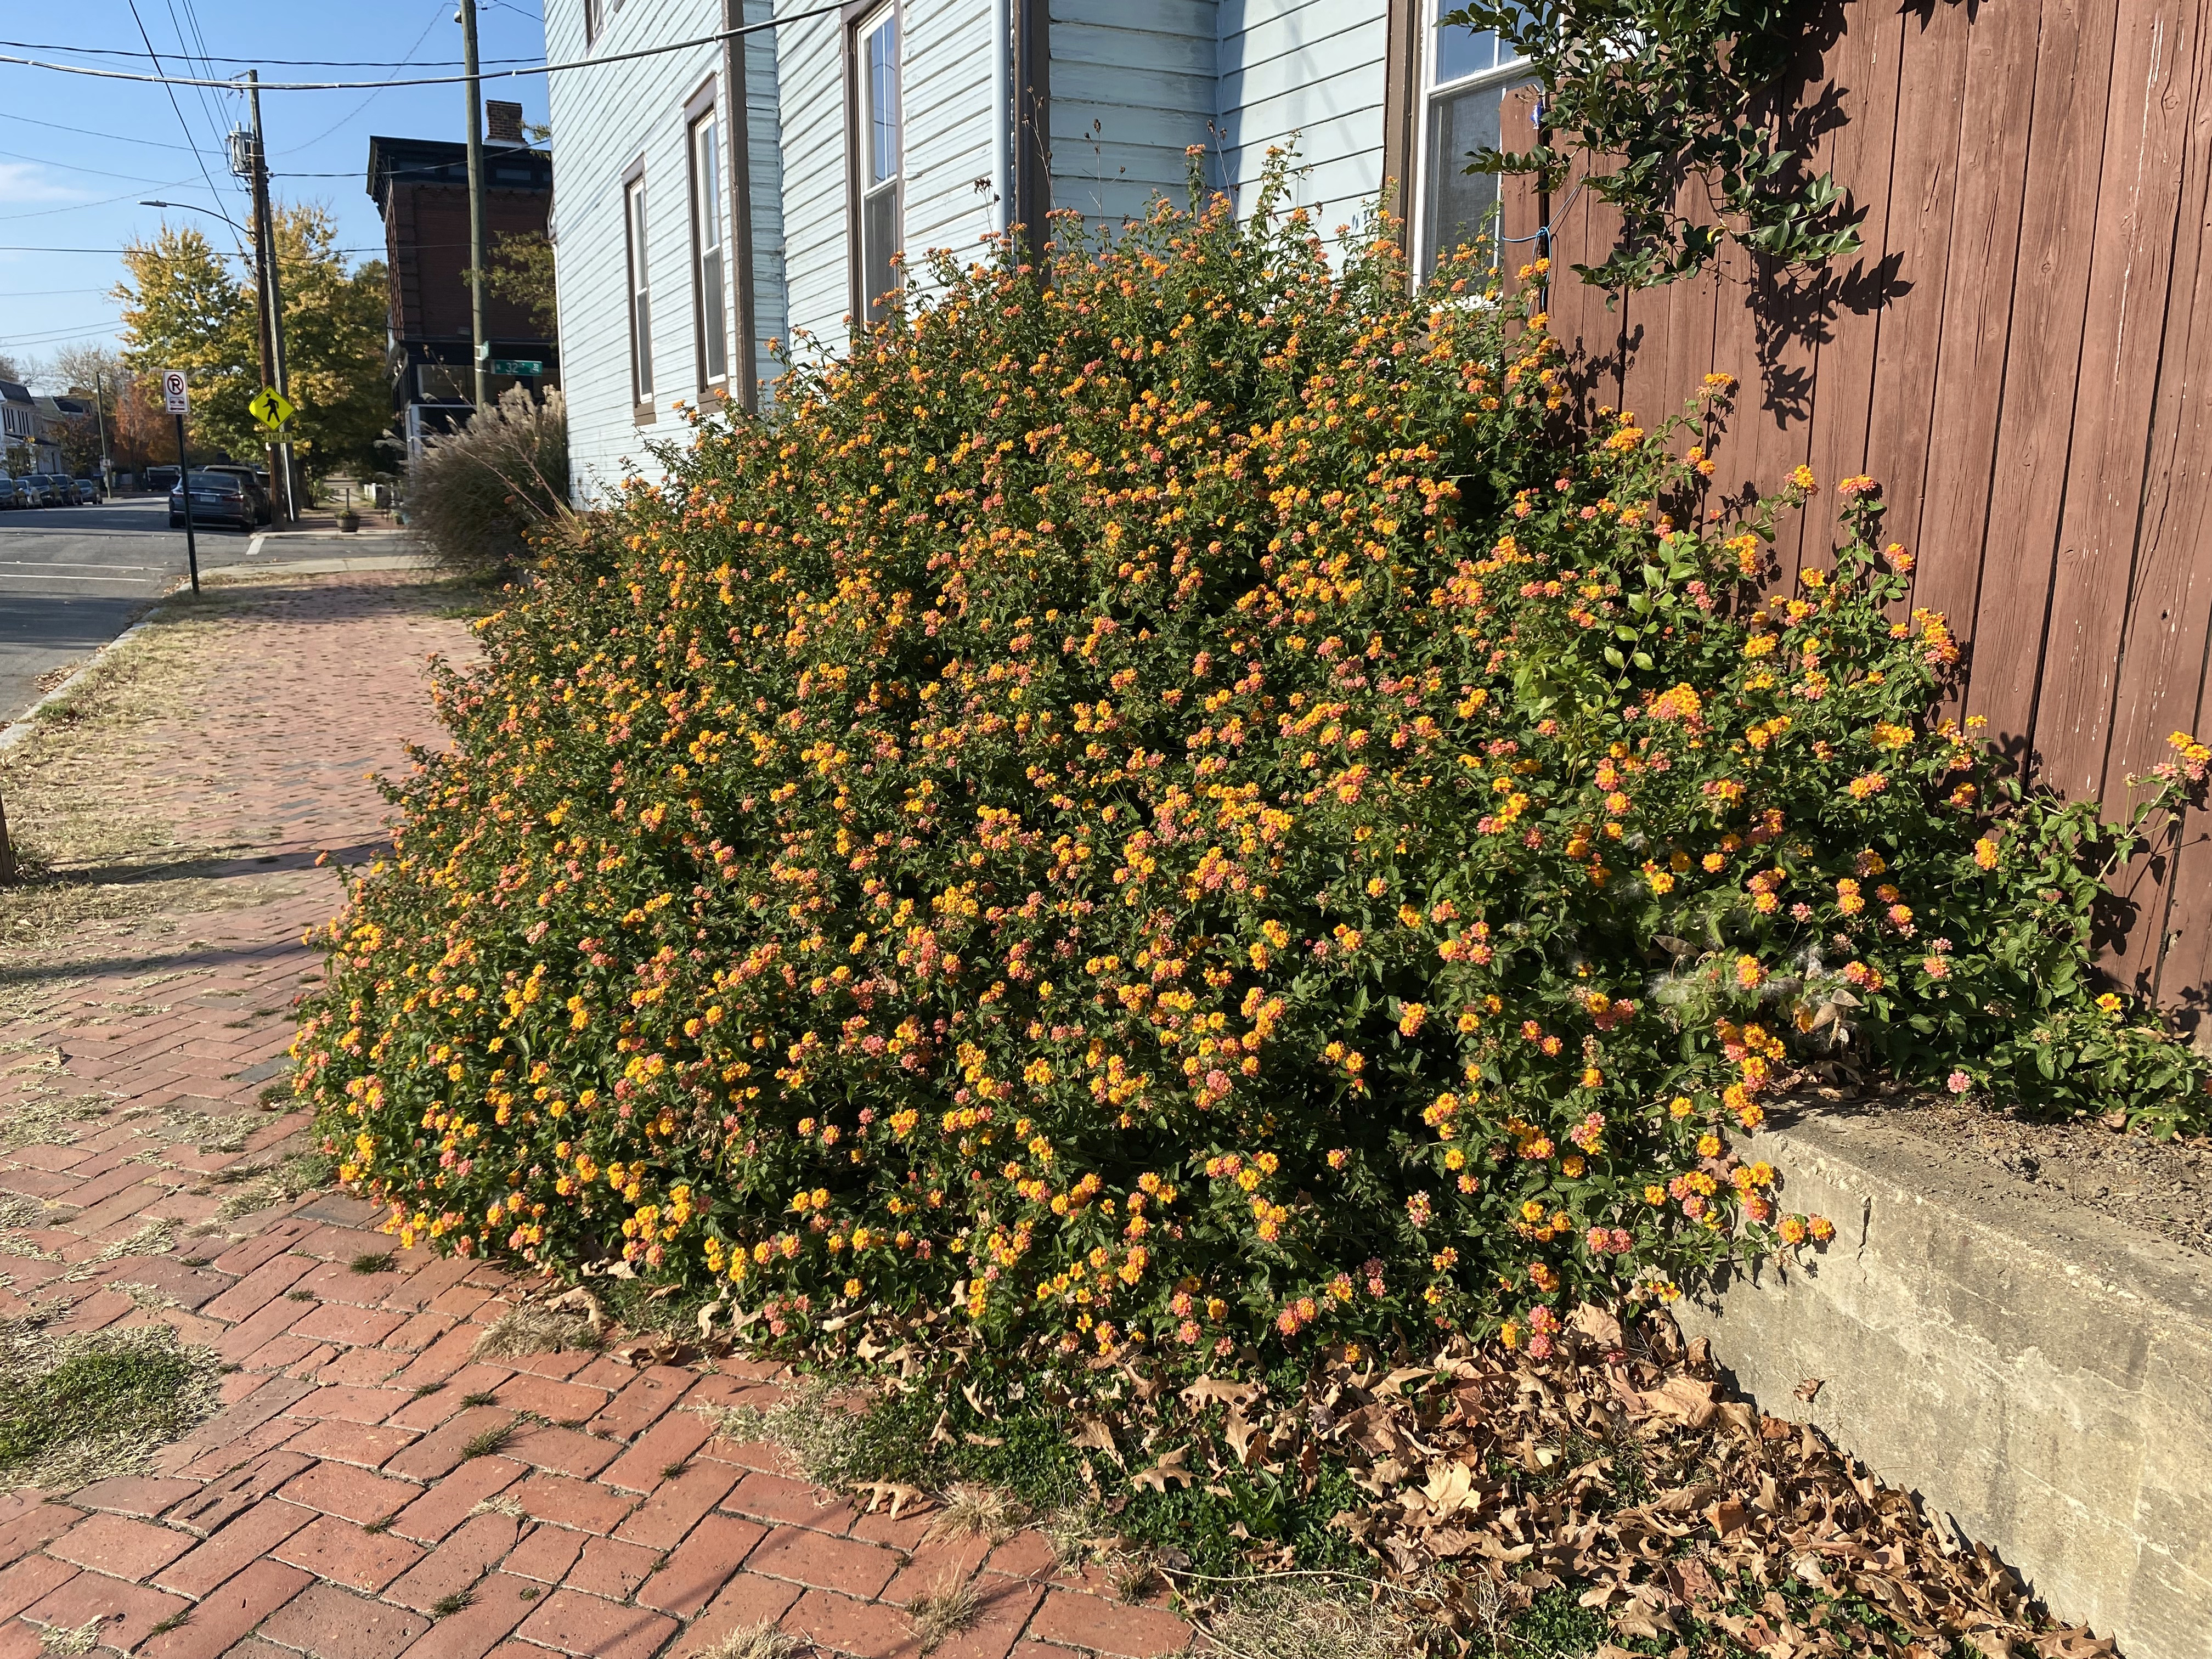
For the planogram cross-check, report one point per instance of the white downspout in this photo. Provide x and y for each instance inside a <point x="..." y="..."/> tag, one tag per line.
<point x="1002" y="114"/>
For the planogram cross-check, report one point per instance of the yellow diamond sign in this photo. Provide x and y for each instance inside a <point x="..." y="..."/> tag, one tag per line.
<point x="271" y="408"/>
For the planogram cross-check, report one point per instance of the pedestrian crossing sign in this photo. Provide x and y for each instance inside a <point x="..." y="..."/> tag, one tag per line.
<point x="272" y="409"/>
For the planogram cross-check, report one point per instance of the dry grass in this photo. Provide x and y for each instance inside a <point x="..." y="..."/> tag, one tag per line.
<point x="946" y="1611"/>
<point x="965" y="1510"/>
<point x="82" y="1639"/>
<point x="808" y="1424"/>
<point x="530" y="1328"/>
<point x="49" y="1121"/>
<point x="501" y="1505"/>
<point x="761" y="1641"/>
<point x="1282" y="1620"/>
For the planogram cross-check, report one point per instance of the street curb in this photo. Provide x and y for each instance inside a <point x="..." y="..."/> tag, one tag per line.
<point x="324" y="567"/>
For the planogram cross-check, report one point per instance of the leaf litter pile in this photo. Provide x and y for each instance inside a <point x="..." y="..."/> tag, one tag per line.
<point x="1620" y="1477"/>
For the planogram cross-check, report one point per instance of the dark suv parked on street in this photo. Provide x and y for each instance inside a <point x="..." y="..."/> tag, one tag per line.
<point x="12" y="494"/>
<point x="43" y="492"/>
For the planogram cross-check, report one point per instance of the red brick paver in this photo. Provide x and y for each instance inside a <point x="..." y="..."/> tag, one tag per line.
<point x="329" y="1508"/>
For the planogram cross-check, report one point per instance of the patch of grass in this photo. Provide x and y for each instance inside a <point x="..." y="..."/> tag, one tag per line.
<point x="528" y="1327"/>
<point x="81" y="1408"/>
<point x="490" y="1441"/>
<point x="675" y="1469"/>
<point x="176" y="1620"/>
<point x="49" y="1122"/>
<point x="446" y="1606"/>
<point x="299" y="1296"/>
<point x="481" y="1397"/>
<point x="424" y="1390"/>
<point x="373" y="1263"/>
<point x="82" y="1639"/>
<point x="1281" y="1619"/>
<point x="968" y="1510"/>
<point x="761" y="1641"/>
<point x="946" y="1611"/>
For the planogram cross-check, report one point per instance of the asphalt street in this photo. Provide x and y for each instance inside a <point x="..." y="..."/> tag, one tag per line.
<point x="72" y="578"/>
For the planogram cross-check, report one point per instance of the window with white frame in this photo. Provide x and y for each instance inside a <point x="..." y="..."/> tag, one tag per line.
<point x="875" y="78"/>
<point x="1465" y="74"/>
<point x="706" y="253"/>
<point x="640" y="294"/>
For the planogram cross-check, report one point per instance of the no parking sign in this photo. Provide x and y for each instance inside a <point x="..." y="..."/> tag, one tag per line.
<point x="174" y="393"/>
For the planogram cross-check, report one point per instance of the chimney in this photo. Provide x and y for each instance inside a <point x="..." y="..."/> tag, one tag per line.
<point x="502" y="122"/>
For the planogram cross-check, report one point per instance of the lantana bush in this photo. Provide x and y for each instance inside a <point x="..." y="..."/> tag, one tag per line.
<point x="1189" y="801"/>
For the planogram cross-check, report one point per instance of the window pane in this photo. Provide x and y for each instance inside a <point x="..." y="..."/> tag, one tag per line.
<point x="709" y="177"/>
<point x="1461" y="51"/>
<point x="1458" y="205"/>
<point x="879" y="242"/>
<point x="713" y="326"/>
<point x="644" y="346"/>
<point x="882" y="101"/>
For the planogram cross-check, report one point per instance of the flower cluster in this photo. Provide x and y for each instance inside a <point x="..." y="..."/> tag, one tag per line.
<point x="1180" y="800"/>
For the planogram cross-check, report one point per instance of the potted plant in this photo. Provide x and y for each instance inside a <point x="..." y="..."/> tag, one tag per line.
<point x="348" y="521"/>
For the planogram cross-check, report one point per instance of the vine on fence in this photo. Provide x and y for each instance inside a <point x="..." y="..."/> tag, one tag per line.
<point x="1676" y="96"/>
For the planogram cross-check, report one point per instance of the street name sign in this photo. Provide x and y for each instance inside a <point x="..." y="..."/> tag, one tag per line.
<point x="523" y="368"/>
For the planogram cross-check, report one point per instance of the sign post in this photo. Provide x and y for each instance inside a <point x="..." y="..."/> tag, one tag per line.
<point x="178" y="398"/>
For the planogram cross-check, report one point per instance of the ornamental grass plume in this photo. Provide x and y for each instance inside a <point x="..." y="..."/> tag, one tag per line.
<point x="1180" y="801"/>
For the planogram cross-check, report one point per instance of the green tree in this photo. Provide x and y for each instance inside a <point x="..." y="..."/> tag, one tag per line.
<point x="522" y="271"/>
<point x="182" y="308"/>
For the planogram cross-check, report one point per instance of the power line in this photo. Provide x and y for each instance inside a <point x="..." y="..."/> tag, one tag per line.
<point x="71" y="167"/>
<point x="183" y="126"/>
<point x="349" y="118"/>
<point x="715" y="39"/>
<point x="263" y="62"/>
<point x="87" y="132"/>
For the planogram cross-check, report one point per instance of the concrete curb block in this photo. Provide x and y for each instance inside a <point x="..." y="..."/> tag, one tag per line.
<point x="324" y="567"/>
<point x="2030" y="1366"/>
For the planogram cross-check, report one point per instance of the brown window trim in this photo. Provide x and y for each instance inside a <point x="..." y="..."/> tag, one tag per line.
<point x="700" y="106"/>
<point x="642" y="412"/>
<point x="857" y="12"/>
<point x="744" y="371"/>
<point x="1033" y="123"/>
<point x="1402" y="102"/>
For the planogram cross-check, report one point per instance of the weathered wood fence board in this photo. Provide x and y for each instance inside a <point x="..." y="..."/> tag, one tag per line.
<point x="2021" y="353"/>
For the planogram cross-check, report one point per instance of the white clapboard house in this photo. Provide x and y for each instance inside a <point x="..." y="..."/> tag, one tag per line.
<point x="713" y="199"/>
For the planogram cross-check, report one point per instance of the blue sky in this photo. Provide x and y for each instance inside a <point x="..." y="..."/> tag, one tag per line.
<point x="77" y="154"/>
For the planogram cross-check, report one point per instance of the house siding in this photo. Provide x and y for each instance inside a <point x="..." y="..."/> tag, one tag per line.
<point x="1132" y="85"/>
<point x="1135" y="84"/>
<point x="1306" y="75"/>
<point x="605" y="119"/>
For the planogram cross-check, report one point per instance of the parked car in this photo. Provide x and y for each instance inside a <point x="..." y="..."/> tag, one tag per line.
<point x="256" y="483"/>
<point x="161" y="480"/>
<point x="91" y="490"/>
<point x="43" y="493"/>
<point x="66" y="487"/>
<point x="218" y="498"/>
<point x="11" y="494"/>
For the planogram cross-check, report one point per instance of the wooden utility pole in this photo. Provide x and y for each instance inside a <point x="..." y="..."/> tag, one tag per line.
<point x="475" y="204"/>
<point x="272" y="299"/>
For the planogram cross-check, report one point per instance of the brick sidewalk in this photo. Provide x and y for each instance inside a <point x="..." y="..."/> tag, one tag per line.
<point x="332" y="1508"/>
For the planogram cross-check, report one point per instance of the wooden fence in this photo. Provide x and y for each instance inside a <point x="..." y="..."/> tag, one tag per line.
<point x="2022" y="354"/>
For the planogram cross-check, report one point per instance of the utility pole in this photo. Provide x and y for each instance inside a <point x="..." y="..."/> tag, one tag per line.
<point x="468" y="16"/>
<point x="272" y="296"/>
<point x="100" y="415"/>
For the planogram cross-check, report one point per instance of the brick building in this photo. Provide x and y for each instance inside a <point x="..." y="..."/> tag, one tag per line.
<point x="421" y="187"/>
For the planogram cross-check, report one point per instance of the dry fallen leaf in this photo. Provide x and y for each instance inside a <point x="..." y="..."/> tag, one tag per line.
<point x="1170" y="1469"/>
<point x="893" y="1492"/>
<point x="1809" y="1389"/>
